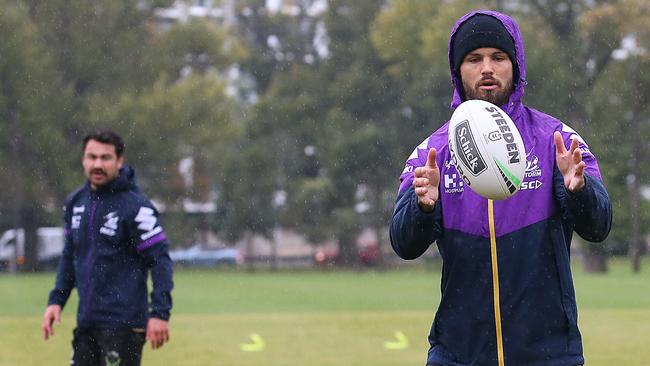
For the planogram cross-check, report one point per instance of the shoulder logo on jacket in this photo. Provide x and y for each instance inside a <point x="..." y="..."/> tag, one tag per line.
<point x="110" y="225"/>
<point x="76" y="216"/>
<point x="147" y="222"/>
<point x="582" y="144"/>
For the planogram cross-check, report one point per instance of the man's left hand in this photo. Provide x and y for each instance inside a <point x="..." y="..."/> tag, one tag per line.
<point x="157" y="332"/>
<point x="570" y="163"/>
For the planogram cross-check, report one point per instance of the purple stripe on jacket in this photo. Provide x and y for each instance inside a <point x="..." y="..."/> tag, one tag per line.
<point x="150" y="242"/>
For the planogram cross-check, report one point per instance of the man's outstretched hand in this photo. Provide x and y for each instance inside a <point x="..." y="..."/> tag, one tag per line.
<point x="426" y="181"/>
<point x="570" y="163"/>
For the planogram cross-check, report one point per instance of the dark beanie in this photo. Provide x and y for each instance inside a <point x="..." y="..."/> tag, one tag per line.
<point x="483" y="30"/>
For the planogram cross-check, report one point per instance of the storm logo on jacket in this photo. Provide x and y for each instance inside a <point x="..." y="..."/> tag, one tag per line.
<point x="110" y="225"/>
<point x="532" y="175"/>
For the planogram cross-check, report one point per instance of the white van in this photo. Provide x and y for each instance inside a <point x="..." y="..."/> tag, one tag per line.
<point x="50" y="246"/>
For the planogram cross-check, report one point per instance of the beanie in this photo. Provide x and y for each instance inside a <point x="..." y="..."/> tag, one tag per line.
<point x="483" y="30"/>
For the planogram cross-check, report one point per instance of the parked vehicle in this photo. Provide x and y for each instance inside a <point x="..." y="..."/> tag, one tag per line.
<point x="367" y="254"/>
<point x="198" y="256"/>
<point x="50" y="241"/>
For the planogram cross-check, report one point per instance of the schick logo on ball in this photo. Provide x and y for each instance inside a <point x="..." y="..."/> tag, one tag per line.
<point x="468" y="153"/>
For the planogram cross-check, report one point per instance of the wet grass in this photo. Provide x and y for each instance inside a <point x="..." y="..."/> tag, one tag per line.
<point x="319" y="318"/>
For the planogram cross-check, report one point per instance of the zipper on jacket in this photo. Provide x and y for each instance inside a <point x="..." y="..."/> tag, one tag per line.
<point x="88" y="262"/>
<point x="495" y="283"/>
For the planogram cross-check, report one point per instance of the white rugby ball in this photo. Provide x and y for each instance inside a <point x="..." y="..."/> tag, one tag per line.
<point x="487" y="149"/>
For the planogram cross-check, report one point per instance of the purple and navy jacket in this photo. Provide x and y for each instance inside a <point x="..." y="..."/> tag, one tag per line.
<point x="113" y="239"/>
<point x="533" y="229"/>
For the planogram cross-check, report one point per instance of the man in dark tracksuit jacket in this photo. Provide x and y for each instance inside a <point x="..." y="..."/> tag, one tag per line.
<point x="113" y="240"/>
<point x="533" y="321"/>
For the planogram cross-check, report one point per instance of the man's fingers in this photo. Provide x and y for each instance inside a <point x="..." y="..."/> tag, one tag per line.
<point x="52" y="314"/>
<point x="580" y="169"/>
<point x="421" y="182"/>
<point x="431" y="158"/>
<point x="577" y="181"/>
<point x="577" y="154"/>
<point x="574" y="145"/>
<point x="47" y="330"/>
<point x="559" y="143"/>
<point x="164" y="337"/>
<point x="157" y="332"/>
<point x="152" y="338"/>
<point x="158" y="338"/>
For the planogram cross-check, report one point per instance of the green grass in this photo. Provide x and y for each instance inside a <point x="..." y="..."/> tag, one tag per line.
<point x="319" y="318"/>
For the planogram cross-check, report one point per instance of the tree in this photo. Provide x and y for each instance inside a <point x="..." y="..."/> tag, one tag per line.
<point x="585" y="35"/>
<point x="97" y="45"/>
<point x="343" y="113"/>
<point x="415" y="56"/>
<point x="196" y="47"/>
<point x="167" y="123"/>
<point x="620" y="104"/>
<point x="31" y="139"/>
<point x="278" y="39"/>
<point x="248" y="189"/>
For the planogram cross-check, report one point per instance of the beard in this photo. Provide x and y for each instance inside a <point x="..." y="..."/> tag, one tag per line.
<point x="498" y="96"/>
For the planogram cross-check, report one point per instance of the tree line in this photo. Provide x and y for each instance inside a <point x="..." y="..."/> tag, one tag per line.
<point x="300" y="118"/>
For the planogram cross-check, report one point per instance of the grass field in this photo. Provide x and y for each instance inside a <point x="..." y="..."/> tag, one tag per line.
<point x="319" y="318"/>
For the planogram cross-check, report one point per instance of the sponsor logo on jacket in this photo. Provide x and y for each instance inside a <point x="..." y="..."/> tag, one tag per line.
<point x="532" y="174"/>
<point x="110" y="224"/>
<point x="452" y="181"/>
<point x="76" y="216"/>
<point x="147" y="222"/>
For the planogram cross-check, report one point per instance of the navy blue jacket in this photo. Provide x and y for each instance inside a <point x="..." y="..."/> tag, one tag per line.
<point x="533" y="230"/>
<point x="113" y="240"/>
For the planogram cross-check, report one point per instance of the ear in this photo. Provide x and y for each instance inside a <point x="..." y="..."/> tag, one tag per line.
<point x="120" y="162"/>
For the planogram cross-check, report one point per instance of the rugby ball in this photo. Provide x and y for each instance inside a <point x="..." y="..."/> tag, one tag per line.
<point x="487" y="149"/>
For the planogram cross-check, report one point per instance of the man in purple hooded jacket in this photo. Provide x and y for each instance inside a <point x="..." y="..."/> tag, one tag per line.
<point x="534" y="320"/>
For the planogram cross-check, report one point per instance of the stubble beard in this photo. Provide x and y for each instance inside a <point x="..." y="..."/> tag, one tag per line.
<point x="498" y="97"/>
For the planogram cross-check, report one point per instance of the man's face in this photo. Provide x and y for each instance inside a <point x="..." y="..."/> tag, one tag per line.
<point x="101" y="164"/>
<point x="487" y="75"/>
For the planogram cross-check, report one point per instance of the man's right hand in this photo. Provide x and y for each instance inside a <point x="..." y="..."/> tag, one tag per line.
<point x="426" y="181"/>
<point x="52" y="315"/>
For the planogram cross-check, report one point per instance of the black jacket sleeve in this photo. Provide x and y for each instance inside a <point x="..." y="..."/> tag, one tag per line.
<point x="411" y="229"/>
<point x="161" y="268"/>
<point x="65" y="276"/>
<point x="589" y="210"/>
<point x="153" y="246"/>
